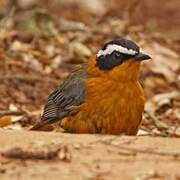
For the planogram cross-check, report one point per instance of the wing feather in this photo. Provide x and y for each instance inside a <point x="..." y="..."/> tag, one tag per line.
<point x="70" y="93"/>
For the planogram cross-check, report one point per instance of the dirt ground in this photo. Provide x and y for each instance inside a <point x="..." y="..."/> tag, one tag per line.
<point x="83" y="157"/>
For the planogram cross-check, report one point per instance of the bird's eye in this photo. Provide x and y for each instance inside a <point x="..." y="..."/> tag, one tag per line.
<point x="117" y="54"/>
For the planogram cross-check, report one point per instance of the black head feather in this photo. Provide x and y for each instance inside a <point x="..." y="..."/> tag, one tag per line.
<point x="110" y="58"/>
<point x="124" y="43"/>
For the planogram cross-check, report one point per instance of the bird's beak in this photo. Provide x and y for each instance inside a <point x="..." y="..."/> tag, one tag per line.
<point x="141" y="57"/>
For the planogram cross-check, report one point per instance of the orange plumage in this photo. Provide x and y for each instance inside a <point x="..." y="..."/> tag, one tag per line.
<point x="114" y="102"/>
<point x="113" y="97"/>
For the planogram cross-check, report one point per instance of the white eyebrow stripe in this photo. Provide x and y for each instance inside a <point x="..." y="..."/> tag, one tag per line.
<point x="114" y="47"/>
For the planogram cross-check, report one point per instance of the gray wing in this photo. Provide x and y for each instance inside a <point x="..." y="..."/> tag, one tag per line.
<point x="70" y="93"/>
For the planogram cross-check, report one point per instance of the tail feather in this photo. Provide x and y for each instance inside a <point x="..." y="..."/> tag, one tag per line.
<point x="50" y="112"/>
<point x="37" y="126"/>
<point x="50" y="115"/>
<point x="41" y="127"/>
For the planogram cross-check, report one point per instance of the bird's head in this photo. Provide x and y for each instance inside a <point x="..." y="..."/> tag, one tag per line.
<point x="120" y="58"/>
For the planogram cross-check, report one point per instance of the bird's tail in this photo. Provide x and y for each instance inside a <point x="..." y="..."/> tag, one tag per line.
<point x="39" y="126"/>
<point x="49" y="116"/>
<point x="50" y="113"/>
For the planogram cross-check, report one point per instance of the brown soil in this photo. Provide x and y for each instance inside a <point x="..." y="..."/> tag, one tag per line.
<point x="87" y="157"/>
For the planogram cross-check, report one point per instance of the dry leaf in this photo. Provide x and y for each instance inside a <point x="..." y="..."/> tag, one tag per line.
<point x="5" y="121"/>
<point x="80" y="49"/>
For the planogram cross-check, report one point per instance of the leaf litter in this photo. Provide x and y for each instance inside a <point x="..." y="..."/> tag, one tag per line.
<point x="39" y="50"/>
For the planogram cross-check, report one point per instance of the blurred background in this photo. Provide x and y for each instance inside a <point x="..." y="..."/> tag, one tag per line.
<point x="41" y="41"/>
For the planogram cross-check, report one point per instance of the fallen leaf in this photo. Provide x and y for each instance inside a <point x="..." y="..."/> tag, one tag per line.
<point x="5" y="121"/>
<point x="80" y="49"/>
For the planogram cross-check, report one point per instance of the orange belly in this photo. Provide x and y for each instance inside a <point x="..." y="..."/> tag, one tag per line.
<point x="108" y="109"/>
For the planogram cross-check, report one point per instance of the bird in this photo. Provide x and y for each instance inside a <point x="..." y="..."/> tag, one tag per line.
<point x="102" y="96"/>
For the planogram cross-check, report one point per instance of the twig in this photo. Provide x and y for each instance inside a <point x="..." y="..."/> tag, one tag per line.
<point x="61" y="153"/>
<point x="10" y="113"/>
<point x="159" y="153"/>
<point x="146" y="151"/>
<point x="158" y="124"/>
<point x="19" y="153"/>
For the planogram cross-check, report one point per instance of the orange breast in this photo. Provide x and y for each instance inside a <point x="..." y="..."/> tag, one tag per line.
<point x="109" y="108"/>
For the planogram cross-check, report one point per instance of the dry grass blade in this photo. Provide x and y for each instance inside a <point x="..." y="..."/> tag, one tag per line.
<point x="10" y="112"/>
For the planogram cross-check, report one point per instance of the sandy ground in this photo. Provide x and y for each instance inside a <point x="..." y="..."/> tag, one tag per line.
<point x="41" y="155"/>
